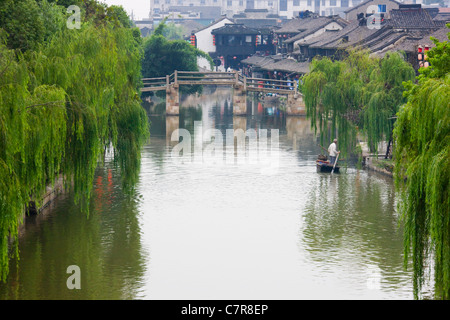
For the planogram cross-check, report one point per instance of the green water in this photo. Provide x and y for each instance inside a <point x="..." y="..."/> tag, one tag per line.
<point x="225" y="231"/>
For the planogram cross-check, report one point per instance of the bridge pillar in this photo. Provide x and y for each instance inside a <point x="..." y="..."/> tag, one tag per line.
<point x="239" y="100"/>
<point x="172" y="100"/>
<point x="295" y="106"/>
<point x="172" y="124"/>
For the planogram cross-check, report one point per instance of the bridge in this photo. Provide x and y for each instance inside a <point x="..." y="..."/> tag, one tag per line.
<point x="240" y="84"/>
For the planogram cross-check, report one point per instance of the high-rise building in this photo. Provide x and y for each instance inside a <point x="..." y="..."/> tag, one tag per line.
<point x="284" y="8"/>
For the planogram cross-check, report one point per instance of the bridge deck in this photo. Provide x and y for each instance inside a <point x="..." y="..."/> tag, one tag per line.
<point x="282" y="87"/>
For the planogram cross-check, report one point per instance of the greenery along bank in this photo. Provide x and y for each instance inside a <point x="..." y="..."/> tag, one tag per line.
<point x="366" y="95"/>
<point x="66" y="95"/>
<point x="422" y="170"/>
<point x="162" y="56"/>
<point x="358" y="94"/>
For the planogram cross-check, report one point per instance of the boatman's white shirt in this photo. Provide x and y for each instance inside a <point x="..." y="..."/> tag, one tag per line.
<point x="332" y="150"/>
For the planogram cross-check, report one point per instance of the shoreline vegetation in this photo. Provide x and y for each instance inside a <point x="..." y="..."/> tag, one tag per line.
<point x="66" y="95"/>
<point x="383" y="100"/>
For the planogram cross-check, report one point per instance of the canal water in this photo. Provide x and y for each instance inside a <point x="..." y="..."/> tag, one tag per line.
<point x="202" y="230"/>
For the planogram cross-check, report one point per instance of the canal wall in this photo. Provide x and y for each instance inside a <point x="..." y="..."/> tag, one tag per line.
<point x="376" y="162"/>
<point x="37" y="212"/>
<point x="378" y="165"/>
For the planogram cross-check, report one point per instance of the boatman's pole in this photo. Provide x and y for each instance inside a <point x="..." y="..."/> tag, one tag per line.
<point x="337" y="158"/>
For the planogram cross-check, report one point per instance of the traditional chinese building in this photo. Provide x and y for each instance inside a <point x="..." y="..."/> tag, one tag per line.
<point x="235" y="42"/>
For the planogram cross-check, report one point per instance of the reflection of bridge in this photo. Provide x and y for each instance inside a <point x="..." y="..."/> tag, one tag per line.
<point x="241" y="85"/>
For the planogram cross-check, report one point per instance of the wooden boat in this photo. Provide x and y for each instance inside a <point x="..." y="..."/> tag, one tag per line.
<point x="325" y="166"/>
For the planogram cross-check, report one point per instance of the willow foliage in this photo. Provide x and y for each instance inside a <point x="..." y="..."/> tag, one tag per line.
<point x="61" y="105"/>
<point x="357" y="93"/>
<point x="422" y="170"/>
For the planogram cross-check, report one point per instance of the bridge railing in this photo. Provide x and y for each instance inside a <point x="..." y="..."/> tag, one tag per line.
<point x="154" y="83"/>
<point x="207" y="77"/>
<point x="220" y="78"/>
<point x="259" y="84"/>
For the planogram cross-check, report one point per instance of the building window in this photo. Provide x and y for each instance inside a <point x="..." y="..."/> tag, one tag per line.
<point x="333" y="3"/>
<point x="156" y="1"/>
<point x="241" y="3"/>
<point x="296" y="3"/>
<point x="381" y="8"/>
<point x="323" y="2"/>
<point x="229" y="3"/>
<point x="344" y="3"/>
<point x="309" y="3"/>
<point x="202" y="1"/>
<point x="270" y="3"/>
<point x="167" y="1"/>
<point x="283" y="5"/>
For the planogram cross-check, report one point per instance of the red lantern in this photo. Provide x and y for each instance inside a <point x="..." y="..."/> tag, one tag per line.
<point x="193" y="40"/>
<point x="419" y="49"/>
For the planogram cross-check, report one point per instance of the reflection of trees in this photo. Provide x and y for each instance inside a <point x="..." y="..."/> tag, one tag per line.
<point x="353" y="215"/>
<point x="106" y="246"/>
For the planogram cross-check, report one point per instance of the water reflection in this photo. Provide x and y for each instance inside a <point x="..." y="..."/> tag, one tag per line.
<point x="194" y="231"/>
<point x="350" y="226"/>
<point x="106" y="246"/>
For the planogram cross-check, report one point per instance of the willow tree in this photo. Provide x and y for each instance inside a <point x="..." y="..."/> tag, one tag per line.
<point x="62" y="103"/>
<point x="422" y="170"/>
<point x="359" y="93"/>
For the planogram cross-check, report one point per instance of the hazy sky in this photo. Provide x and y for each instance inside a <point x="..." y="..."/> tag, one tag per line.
<point x="140" y="8"/>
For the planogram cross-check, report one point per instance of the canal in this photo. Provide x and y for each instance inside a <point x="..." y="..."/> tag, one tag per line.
<point x="196" y="230"/>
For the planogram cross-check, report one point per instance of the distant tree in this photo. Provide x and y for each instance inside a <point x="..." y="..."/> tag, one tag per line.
<point x="119" y="14"/>
<point x="162" y="56"/>
<point x="173" y="32"/>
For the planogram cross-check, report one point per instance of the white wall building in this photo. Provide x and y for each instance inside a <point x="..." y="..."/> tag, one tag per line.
<point x="284" y="8"/>
<point x="292" y="8"/>
<point x="205" y="43"/>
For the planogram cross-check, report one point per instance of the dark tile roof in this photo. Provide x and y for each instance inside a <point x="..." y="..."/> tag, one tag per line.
<point x="411" y="18"/>
<point x="287" y="65"/>
<point x="213" y="23"/>
<point x="315" y="25"/>
<point x="258" y="61"/>
<point x="442" y="16"/>
<point x="298" y="25"/>
<point x="234" y="29"/>
<point x="440" y="34"/>
<point x="330" y="37"/>
<point x="257" y="23"/>
<point x="272" y="63"/>
<point x="351" y="35"/>
<point x="412" y="41"/>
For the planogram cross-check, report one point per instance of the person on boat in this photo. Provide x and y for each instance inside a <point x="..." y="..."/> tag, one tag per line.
<point x="332" y="151"/>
